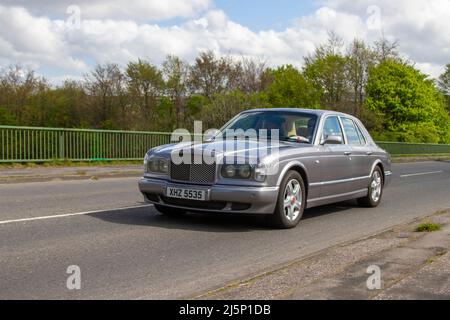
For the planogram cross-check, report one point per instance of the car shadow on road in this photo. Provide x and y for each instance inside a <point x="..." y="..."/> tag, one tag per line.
<point x="206" y="222"/>
<point x="329" y="209"/>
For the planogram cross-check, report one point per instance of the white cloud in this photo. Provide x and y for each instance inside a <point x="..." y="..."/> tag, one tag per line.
<point x="34" y="41"/>
<point x="108" y="34"/>
<point x="145" y="10"/>
<point x="420" y="26"/>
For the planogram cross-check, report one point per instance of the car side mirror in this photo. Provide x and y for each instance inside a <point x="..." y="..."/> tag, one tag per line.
<point x="210" y="135"/>
<point x="332" y="139"/>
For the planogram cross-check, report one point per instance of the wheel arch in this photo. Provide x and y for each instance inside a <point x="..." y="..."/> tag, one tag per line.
<point x="378" y="163"/>
<point x="301" y="169"/>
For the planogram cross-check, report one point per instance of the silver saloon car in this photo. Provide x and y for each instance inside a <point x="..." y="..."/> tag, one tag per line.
<point x="276" y="162"/>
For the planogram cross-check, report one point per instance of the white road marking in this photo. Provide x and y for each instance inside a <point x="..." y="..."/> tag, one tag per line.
<point x="70" y="214"/>
<point x="419" y="174"/>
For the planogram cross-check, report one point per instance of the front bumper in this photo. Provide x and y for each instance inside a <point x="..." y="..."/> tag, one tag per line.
<point x="223" y="198"/>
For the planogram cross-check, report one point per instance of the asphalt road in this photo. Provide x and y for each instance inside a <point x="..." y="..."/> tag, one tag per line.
<point x="135" y="253"/>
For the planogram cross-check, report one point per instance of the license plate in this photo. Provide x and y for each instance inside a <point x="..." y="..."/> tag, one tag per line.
<point x="182" y="193"/>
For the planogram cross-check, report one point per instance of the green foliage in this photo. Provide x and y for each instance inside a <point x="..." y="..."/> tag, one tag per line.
<point x="6" y="118"/>
<point x="444" y="85"/>
<point x="145" y="86"/>
<point x="222" y="107"/>
<point x="290" y="89"/>
<point x="195" y="103"/>
<point x="164" y="118"/>
<point x="411" y="107"/>
<point x="328" y="75"/>
<point x="394" y="100"/>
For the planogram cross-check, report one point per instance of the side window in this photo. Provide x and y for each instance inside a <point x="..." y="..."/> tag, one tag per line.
<point x="332" y="127"/>
<point x="360" y="134"/>
<point x="351" y="132"/>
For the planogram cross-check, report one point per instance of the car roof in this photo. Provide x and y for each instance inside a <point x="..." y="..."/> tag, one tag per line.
<point x="298" y="110"/>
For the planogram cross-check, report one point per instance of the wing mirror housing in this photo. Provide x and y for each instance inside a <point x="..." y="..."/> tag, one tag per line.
<point x="210" y="135"/>
<point x="332" y="140"/>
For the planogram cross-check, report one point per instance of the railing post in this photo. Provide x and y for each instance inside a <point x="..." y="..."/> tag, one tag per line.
<point x="61" y="145"/>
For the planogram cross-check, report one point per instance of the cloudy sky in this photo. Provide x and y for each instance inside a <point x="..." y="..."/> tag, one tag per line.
<point x="65" y="38"/>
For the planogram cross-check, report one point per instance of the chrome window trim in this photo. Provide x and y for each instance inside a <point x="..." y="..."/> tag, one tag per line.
<point x="343" y="131"/>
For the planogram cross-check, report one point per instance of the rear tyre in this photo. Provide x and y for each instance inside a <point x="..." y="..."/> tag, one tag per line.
<point x="373" y="198"/>
<point x="291" y="202"/>
<point x="169" y="211"/>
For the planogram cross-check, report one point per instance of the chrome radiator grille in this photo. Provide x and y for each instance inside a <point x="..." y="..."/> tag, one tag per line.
<point x="196" y="173"/>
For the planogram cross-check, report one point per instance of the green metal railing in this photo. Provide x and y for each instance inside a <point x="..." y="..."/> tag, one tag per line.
<point x="30" y="144"/>
<point x="401" y="148"/>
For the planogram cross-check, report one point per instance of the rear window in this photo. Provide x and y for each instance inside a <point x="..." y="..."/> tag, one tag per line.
<point x="354" y="137"/>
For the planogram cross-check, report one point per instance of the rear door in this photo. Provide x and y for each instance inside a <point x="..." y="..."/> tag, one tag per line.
<point x="361" y="160"/>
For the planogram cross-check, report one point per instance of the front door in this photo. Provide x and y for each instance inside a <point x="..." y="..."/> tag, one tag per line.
<point x="336" y="162"/>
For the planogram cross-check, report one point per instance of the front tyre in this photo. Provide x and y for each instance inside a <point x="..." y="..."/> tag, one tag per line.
<point x="291" y="202"/>
<point x="373" y="198"/>
<point x="169" y="211"/>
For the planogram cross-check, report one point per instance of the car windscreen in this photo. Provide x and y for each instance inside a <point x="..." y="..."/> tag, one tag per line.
<point x="287" y="126"/>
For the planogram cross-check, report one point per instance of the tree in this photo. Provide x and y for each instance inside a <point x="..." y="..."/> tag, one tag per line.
<point x="386" y="50"/>
<point x="290" y="89"/>
<point x="17" y="86"/>
<point x="326" y="69"/>
<point x="360" y="59"/>
<point x="6" y="118"/>
<point x="104" y="85"/>
<point x="410" y="105"/>
<point x="328" y="74"/>
<point x="253" y="75"/>
<point x="70" y="106"/>
<point x="210" y="75"/>
<point x="176" y="73"/>
<point x="145" y="85"/>
<point x="444" y="85"/>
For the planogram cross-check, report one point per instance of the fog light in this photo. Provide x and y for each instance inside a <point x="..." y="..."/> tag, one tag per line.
<point x="260" y="174"/>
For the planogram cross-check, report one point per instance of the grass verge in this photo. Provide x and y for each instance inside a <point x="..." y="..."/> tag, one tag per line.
<point x="428" y="227"/>
<point x="56" y="164"/>
<point x="414" y="158"/>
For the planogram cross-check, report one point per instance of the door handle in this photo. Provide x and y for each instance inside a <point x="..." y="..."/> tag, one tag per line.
<point x="369" y="153"/>
<point x="347" y="153"/>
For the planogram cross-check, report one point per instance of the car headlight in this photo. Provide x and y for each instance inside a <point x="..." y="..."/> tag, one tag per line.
<point x="245" y="171"/>
<point x="240" y="171"/>
<point x="228" y="171"/>
<point x="158" y="165"/>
